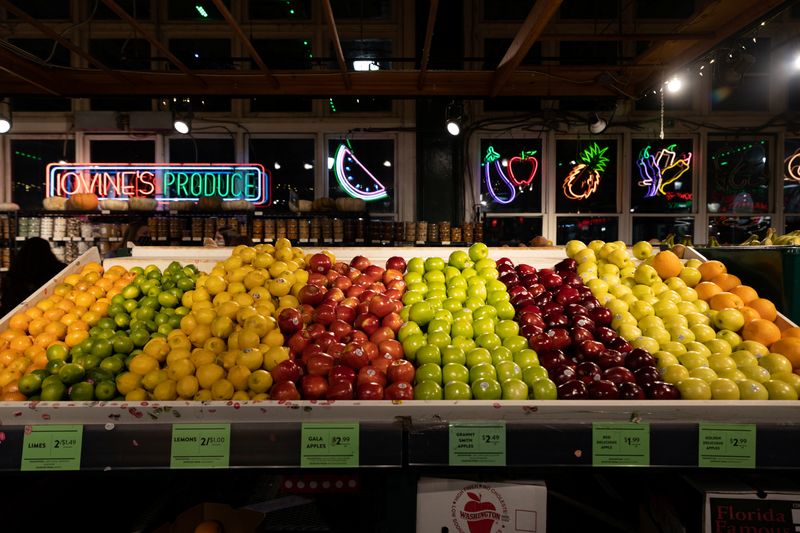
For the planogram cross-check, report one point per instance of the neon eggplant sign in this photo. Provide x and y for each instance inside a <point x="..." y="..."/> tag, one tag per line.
<point x="514" y="179"/>
<point x="347" y="167"/>
<point x="168" y="182"/>
<point x="661" y="169"/>
<point x="584" y="178"/>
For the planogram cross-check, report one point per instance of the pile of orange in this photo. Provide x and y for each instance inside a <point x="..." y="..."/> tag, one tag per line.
<point x="64" y="317"/>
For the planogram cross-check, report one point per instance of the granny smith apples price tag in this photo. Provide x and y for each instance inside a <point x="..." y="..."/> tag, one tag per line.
<point x="477" y="444"/>
<point x="200" y="446"/>
<point x="620" y="444"/>
<point x="727" y="446"/>
<point x="333" y="445"/>
<point x="56" y="447"/>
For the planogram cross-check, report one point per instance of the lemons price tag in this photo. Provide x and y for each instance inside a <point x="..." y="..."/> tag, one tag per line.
<point x="620" y="444"/>
<point x="325" y="445"/>
<point x="200" y="446"/>
<point x="477" y="444"/>
<point x="56" y="447"/>
<point x="727" y="446"/>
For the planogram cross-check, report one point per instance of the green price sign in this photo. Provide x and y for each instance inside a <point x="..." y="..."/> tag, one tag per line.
<point x="620" y="444"/>
<point x="477" y="444"/>
<point x="56" y="447"/>
<point x="200" y="446"/>
<point x="332" y="445"/>
<point x="727" y="446"/>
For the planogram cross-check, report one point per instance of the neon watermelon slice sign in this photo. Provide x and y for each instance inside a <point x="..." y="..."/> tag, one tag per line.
<point x="343" y="164"/>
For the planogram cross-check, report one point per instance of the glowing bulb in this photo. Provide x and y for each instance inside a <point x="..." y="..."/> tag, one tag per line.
<point x="453" y="128"/>
<point x="277" y="165"/>
<point x="674" y="85"/>
<point x="181" y="127"/>
<point x="387" y="163"/>
<point x="797" y="62"/>
<point x="308" y="166"/>
<point x="5" y="125"/>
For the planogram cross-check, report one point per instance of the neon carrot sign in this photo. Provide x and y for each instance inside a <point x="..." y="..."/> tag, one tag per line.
<point x="661" y="169"/>
<point x="584" y="178"/>
<point x="346" y="167"/>
<point x="163" y="182"/>
<point x="792" y="164"/>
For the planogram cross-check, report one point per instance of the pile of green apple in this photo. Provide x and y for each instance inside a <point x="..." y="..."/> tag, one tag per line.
<point x="460" y="331"/>
<point x="696" y="349"/>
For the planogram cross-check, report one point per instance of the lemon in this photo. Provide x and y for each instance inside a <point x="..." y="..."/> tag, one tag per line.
<point x="222" y="389"/>
<point x="238" y="375"/>
<point x="275" y="355"/>
<point x="153" y="378"/>
<point x="202" y="356"/>
<point x="221" y="298"/>
<point x="204" y="316"/>
<point x="158" y="348"/>
<point x="266" y="307"/>
<point x="247" y="254"/>
<point x="277" y="268"/>
<point x="240" y="396"/>
<point x="180" y="369"/>
<point x="251" y="358"/>
<point x="259" y="381"/>
<point x="228" y="308"/>
<point x="249" y="338"/>
<point x="200" y="335"/>
<point x="283" y="243"/>
<point x="175" y="355"/>
<point x="273" y="338"/>
<point x="214" y="285"/>
<point x="233" y="341"/>
<point x="128" y="381"/>
<point x="244" y="313"/>
<point x="245" y="299"/>
<point x="177" y="340"/>
<point x="263" y="260"/>
<point x="204" y="304"/>
<point x="279" y="287"/>
<point x="166" y="391"/>
<point x="136" y="395"/>
<point x="257" y="323"/>
<point x="228" y="359"/>
<point x="203" y="395"/>
<point x="301" y="276"/>
<point x="232" y="263"/>
<point x="236" y="287"/>
<point x="254" y="279"/>
<point x="208" y="374"/>
<point x="188" y="323"/>
<point x="261" y="396"/>
<point x="284" y="254"/>
<point x="142" y="364"/>
<point x="201" y="295"/>
<point x="222" y="326"/>
<point x="215" y="345"/>
<point x="187" y="387"/>
<point x="259" y="294"/>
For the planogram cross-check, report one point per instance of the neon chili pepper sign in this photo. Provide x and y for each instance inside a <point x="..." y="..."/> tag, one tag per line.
<point x="662" y="168"/>
<point x="163" y="182"/>
<point x="520" y="177"/>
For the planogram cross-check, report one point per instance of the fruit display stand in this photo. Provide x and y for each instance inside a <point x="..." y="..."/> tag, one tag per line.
<point x="395" y="434"/>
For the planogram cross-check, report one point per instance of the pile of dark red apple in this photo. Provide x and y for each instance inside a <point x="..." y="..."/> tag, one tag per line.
<point x="341" y="340"/>
<point x="571" y="333"/>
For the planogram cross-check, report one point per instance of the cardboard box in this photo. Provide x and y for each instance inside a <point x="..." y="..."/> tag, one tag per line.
<point x="461" y="506"/>
<point x="232" y="520"/>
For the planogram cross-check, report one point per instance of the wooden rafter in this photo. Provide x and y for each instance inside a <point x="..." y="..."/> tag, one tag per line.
<point x="29" y="73"/>
<point x="337" y="43"/>
<point x="625" y="36"/>
<point x="66" y="43"/>
<point x="121" y="13"/>
<point x="237" y="29"/>
<point x="426" y="49"/>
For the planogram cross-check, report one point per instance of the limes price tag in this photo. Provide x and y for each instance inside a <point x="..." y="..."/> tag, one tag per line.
<point x="727" y="446"/>
<point x="56" y="447"/>
<point x="325" y="445"/>
<point x="620" y="444"/>
<point x="200" y="446"/>
<point x="477" y="444"/>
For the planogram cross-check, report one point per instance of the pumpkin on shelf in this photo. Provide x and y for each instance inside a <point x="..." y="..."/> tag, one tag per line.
<point x="83" y="201"/>
<point x="237" y="205"/>
<point x="324" y="204"/>
<point x="114" y="205"/>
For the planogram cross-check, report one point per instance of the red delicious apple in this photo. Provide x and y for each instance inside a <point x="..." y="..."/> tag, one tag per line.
<point x="331" y="276"/>
<point x="315" y="330"/>
<point x="630" y="391"/>
<point x="284" y="391"/>
<point x="314" y="387"/>
<point x="320" y="263"/>
<point x="647" y="375"/>
<point x="370" y="374"/>
<point x="587" y="372"/>
<point x="311" y="295"/>
<point x="320" y="280"/>
<point x="290" y="321"/>
<point x="572" y="390"/>
<point x="334" y="295"/>
<point x="567" y="295"/>
<point x="603" y="390"/>
<point x="393" y="321"/>
<point x="618" y="375"/>
<point x="638" y="358"/>
<point x="381" y="334"/>
<point x="342" y="373"/>
<point x="340" y="329"/>
<point x="580" y="334"/>
<point x="399" y="390"/>
<point x="390" y="347"/>
<point x="358" y="337"/>
<point x="360" y="263"/>
<point x="568" y="264"/>
<point x="525" y="270"/>
<point x="335" y="349"/>
<point x="324" y="314"/>
<point x="345" y="313"/>
<point x="368" y="323"/>
<point x="659" y="390"/>
<point x="287" y="370"/>
<point x="396" y="263"/>
<point x="620" y="345"/>
<point x="590" y="350"/>
<point x="355" y="356"/>
<point x="340" y="390"/>
<point x="561" y="374"/>
<point x="298" y="342"/>
<point x="381" y="306"/>
<point x="609" y="358"/>
<point x="310" y="351"/>
<point x="381" y="363"/>
<point x="355" y="291"/>
<point x="401" y="370"/>
<point x="320" y="364"/>
<point x="342" y="283"/>
<point x="370" y="391"/>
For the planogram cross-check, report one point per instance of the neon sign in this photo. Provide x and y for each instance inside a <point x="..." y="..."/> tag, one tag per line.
<point x="660" y="169"/>
<point x="345" y="163"/>
<point x="584" y="178"/>
<point x="163" y="182"/>
<point x="792" y="164"/>
<point x="526" y="156"/>
<point x="492" y="159"/>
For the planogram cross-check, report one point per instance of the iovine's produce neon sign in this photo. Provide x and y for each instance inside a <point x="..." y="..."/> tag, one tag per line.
<point x="660" y="169"/>
<point x="584" y="178"/>
<point x="347" y="167"/>
<point x="163" y="182"/>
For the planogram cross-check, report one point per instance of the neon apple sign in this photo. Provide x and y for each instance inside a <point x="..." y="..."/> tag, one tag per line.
<point x="659" y="170"/>
<point x="163" y="182"/>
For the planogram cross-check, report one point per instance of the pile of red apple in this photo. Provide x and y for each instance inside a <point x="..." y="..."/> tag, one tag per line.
<point x="570" y="331"/>
<point x="341" y="340"/>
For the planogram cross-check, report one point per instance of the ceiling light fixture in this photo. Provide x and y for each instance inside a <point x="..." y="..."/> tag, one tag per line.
<point x="182" y="122"/>
<point x="454" y="118"/>
<point x="596" y="124"/>
<point x="5" y="116"/>
<point x="797" y="62"/>
<point x="674" y="85"/>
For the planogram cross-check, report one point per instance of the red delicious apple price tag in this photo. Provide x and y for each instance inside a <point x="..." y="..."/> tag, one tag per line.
<point x="620" y="444"/>
<point x="727" y="446"/>
<point x="478" y="444"/>
<point x="324" y="445"/>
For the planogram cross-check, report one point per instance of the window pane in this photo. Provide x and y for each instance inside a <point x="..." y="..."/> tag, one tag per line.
<point x="586" y="229"/>
<point x="588" y="53"/>
<point x="662" y="176"/>
<point x="29" y="160"/>
<point x="43" y="49"/>
<point x="511" y="230"/>
<point x="362" y="9"/>
<point x="195" y="10"/>
<point x="193" y="150"/>
<point x="648" y="228"/>
<point x="284" y="54"/>
<point x="43" y="9"/>
<point x="359" y="104"/>
<point x="290" y="163"/>
<point x="279" y="9"/>
<point x="495" y="49"/>
<point x="791" y="176"/>
<point x="734" y="230"/>
<point x="281" y="104"/>
<point x="792" y="224"/>
<point x="738" y="176"/>
<point x="586" y="173"/>
<point x="123" y="151"/>
<point x="203" y="54"/>
<point x="375" y="51"/>
<point x="510" y="176"/>
<point x="365" y="170"/>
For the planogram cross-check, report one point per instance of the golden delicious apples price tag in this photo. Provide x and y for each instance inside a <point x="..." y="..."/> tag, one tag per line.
<point x="727" y="446"/>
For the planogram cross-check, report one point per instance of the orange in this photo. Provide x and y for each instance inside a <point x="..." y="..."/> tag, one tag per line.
<point x="91" y="317"/>
<point x="793" y="331"/>
<point x="104" y="284"/>
<point x="100" y="307"/>
<point x="68" y="319"/>
<point x="711" y="269"/>
<point x="208" y="526"/>
<point x="726" y="281"/>
<point x="96" y="291"/>
<point x="92" y="267"/>
<point x="78" y="325"/>
<point x="765" y="308"/>
<point x="749" y="314"/>
<point x="84" y="299"/>
<point x="37" y="326"/>
<point x="745" y="292"/>
<point x="20" y="343"/>
<point x="62" y="289"/>
<point x="761" y="330"/>
<point x="91" y="277"/>
<point x="667" y="264"/>
<point x="54" y="314"/>
<point x="76" y="337"/>
<point x="706" y="289"/>
<point x="66" y="305"/>
<point x="11" y="333"/>
<point x="113" y="292"/>
<point x="57" y="329"/>
<point x="45" y="339"/>
<point x="72" y="280"/>
<point x="19" y="321"/>
<point x="44" y="305"/>
<point x="725" y="300"/>
<point x="8" y="356"/>
<point x="34" y="351"/>
<point x="790" y="347"/>
<point x="33" y="312"/>
<point x="13" y="397"/>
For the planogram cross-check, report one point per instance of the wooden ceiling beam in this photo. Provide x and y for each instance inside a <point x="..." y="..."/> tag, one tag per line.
<point x="532" y="28"/>
<point x="237" y="29"/>
<point x="121" y="13"/>
<point x="625" y="36"/>
<point x="31" y="74"/>
<point x="337" y="43"/>
<point x="426" y="49"/>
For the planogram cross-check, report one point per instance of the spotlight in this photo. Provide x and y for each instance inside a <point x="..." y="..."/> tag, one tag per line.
<point x="454" y="118"/>
<point x="596" y="124"/>
<point x="5" y="116"/>
<point x="674" y="85"/>
<point x="183" y="122"/>
<point x="797" y="62"/>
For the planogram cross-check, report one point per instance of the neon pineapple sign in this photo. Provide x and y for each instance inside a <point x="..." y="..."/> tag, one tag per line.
<point x="492" y="161"/>
<point x="584" y="178"/>
<point x="661" y="168"/>
<point x="163" y="182"/>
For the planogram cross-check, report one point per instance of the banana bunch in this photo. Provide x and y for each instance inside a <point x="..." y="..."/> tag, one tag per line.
<point x="773" y="239"/>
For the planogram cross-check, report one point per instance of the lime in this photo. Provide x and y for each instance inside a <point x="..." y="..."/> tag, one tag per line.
<point x="82" y="392"/>
<point x="96" y="375"/>
<point x="122" y="344"/>
<point x="50" y="380"/>
<point x="161" y="318"/>
<point x="145" y="313"/>
<point x="139" y="337"/>
<point x="30" y="384"/>
<point x="42" y="373"/>
<point x="86" y="346"/>
<point x="167" y="299"/>
<point x="178" y="293"/>
<point x="182" y="310"/>
<point x="54" y="365"/>
<point x="185" y="284"/>
<point x="169" y="311"/>
<point x="164" y="329"/>
<point x="71" y="373"/>
<point x="118" y="299"/>
<point x="153" y="292"/>
<point x="116" y="309"/>
<point x="167" y="283"/>
<point x="105" y="334"/>
<point x="57" y="351"/>
<point x="91" y="361"/>
<point x="175" y="321"/>
<point x="95" y="331"/>
<point x="74" y="352"/>
<point x="105" y="390"/>
<point x="113" y="364"/>
<point x="106" y="323"/>
<point x="53" y="392"/>
<point x="102" y="348"/>
<point x="122" y="320"/>
<point x="79" y="359"/>
<point x="136" y="270"/>
<point x="131" y="292"/>
<point x="155" y="274"/>
<point x="130" y="305"/>
<point x="158" y="335"/>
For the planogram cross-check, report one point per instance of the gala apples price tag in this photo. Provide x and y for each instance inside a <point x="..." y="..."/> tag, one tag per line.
<point x="325" y="445"/>
<point x="56" y="447"/>
<point x="200" y="446"/>
<point x="477" y="444"/>
<point x="620" y="444"/>
<point x="727" y="446"/>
